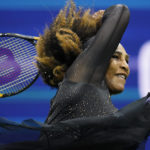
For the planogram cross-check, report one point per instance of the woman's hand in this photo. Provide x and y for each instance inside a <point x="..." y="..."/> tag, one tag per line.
<point x="98" y="13"/>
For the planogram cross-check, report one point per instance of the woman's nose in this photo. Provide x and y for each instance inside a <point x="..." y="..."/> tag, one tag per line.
<point x="125" y="65"/>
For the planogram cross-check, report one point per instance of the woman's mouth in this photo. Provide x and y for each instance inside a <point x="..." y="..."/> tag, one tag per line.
<point x="122" y="75"/>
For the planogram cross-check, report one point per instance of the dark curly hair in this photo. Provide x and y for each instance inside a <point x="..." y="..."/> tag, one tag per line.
<point x="63" y="41"/>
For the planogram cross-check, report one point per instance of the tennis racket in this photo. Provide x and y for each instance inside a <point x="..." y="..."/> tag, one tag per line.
<point x="17" y="58"/>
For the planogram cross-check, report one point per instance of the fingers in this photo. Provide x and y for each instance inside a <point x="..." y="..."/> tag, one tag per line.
<point x="98" y="14"/>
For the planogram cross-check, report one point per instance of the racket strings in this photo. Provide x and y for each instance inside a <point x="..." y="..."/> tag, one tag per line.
<point x="6" y="72"/>
<point x="12" y="84"/>
<point x="21" y="52"/>
<point x="14" y="43"/>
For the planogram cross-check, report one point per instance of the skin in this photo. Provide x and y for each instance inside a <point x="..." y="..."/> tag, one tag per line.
<point x="98" y="13"/>
<point x="118" y="71"/>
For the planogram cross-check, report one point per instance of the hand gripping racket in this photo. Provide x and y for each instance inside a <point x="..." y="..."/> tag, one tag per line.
<point x="17" y="58"/>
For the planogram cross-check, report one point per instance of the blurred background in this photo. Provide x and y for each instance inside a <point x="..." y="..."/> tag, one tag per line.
<point x="31" y="16"/>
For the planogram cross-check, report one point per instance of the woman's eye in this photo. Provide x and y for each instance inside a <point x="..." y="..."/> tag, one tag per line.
<point x="115" y="56"/>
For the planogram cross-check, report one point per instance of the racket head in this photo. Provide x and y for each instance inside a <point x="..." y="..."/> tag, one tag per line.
<point x="17" y="63"/>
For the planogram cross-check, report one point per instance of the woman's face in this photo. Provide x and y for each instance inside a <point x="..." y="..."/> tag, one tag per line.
<point x="118" y="71"/>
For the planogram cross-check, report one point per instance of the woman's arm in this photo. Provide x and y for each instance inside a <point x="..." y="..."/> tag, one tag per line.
<point x="91" y="65"/>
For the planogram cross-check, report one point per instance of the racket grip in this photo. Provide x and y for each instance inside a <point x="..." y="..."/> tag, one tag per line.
<point x="1" y="95"/>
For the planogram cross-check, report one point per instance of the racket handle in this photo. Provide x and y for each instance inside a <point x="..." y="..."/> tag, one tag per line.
<point x="4" y="95"/>
<point x="1" y="95"/>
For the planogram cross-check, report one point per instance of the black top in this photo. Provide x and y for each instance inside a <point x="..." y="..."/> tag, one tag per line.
<point x="76" y="100"/>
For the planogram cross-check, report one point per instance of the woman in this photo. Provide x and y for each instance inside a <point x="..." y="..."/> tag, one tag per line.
<point x="82" y="115"/>
<point x="56" y="58"/>
<point x="82" y="110"/>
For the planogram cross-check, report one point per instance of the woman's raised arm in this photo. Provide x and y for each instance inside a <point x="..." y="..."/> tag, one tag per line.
<point x="91" y="65"/>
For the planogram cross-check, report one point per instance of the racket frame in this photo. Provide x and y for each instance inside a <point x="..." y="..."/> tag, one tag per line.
<point x="32" y="40"/>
